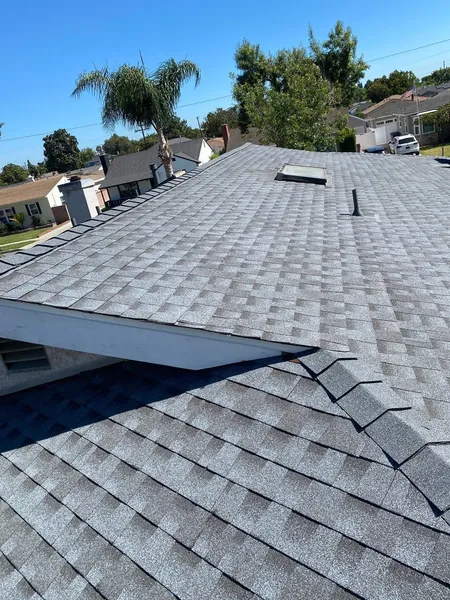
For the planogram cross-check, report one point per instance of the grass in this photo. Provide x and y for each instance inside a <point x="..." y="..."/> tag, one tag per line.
<point x="24" y="238"/>
<point x="435" y="150"/>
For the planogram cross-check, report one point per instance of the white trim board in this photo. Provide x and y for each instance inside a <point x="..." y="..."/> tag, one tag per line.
<point x="118" y="337"/>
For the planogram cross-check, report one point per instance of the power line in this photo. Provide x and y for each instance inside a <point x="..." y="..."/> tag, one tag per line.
<point x="410" y="50"/>
<point x="23" y="137"/>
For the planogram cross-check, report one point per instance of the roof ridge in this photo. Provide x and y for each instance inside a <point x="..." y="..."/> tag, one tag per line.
<point x="21" y="257"/>
<point x="421" y="452"/>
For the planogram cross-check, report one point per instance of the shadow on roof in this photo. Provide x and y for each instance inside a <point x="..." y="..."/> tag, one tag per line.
<point x="55" y="408"/>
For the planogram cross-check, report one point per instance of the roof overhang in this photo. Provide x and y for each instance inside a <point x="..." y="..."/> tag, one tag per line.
<point x="119" y="337"/>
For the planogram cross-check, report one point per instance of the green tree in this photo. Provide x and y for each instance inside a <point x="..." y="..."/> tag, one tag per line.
<point x="12" y="173"/>
<point x="290" y="109"/>
<point x="175" y="127"/>
<point x="135" y="97"/>
<point x="338" y="62"/>
<point x="441" y="121"/>
<point x="86" y="155"/>
<point x="397" y="82"/>
<point x="253" y="69"/>
<point x="36" y="170"/>
<point x="437" y="77"/>
<point x="61" y="151"/>
<point x="212" y="123"/>
<point x="119" y="144"/>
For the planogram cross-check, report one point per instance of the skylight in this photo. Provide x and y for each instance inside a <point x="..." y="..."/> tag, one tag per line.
<point x="317" y="175"/>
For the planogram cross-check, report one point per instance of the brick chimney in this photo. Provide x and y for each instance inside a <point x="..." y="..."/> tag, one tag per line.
<point x="225" y="134"/>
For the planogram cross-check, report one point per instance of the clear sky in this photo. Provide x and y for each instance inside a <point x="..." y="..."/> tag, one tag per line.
<point x="46" y="44"/>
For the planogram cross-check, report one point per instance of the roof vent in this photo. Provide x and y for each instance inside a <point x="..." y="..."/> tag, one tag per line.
<point x="302" y="174"/>
<point x="22" y="356"/>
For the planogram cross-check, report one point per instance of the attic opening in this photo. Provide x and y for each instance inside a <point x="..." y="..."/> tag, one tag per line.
<point x="23" y="356"/>
<point x="302" y="174"/>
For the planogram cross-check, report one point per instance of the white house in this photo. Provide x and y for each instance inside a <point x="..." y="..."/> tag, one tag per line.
<point x="40" y="199"/>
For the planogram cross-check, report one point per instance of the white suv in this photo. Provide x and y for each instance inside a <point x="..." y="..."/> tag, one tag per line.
<point x="404" y="144"/>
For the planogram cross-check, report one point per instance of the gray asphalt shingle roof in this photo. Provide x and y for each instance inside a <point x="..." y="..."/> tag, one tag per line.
<point x="136" y="166"/>
<point x="329" y="477"/>
<point x="138" y="481"/>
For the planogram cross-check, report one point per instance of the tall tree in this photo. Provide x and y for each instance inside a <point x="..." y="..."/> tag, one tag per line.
<point x="437" y="77"/>
<point x="338" y="62"/>
<point x="290" y="108"/>
<point x="86" y="155"/>
<point x="36" y="170"/>
<point x="212" y="123"/>
<point x="397" y="82"/>
<point x="119" y="144"/>
<point x="61" y="151"/>
<point x="134" y="96"/>
<point x="253" y="69"/>
<point x="175" y="127"/>
<point x="12" y="173"/>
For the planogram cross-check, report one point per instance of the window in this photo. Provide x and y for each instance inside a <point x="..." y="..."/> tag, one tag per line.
<point x="22" y="356"/>
<point x="129" y="190"/>
<point x="6" y="214"/>
<point x="33" y="209"/>
<point x="409" y="140"/>
<point x="416" y="128"/>
<point x="428" y="127"/>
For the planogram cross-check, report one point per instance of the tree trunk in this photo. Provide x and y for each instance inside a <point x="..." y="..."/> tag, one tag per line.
<point x="165" y="152"/>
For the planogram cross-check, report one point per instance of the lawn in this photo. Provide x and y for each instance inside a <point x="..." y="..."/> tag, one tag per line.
<point x="435" y="150"/>
<point x="24" y="238"/>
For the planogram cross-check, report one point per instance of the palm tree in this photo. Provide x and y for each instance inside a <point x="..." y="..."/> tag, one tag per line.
<point x="133" y="96"/>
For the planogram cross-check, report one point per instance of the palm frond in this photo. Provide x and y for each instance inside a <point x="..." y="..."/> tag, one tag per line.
<point x="171" y="75"/>
<point x="96" y="81"/>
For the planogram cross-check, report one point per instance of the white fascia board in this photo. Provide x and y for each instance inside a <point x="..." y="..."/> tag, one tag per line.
<point x="118" y="337"/>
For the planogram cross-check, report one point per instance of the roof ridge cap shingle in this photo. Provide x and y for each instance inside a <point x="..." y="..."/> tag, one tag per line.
<point x="420" y="451"/>
<point x="14" y="260"/>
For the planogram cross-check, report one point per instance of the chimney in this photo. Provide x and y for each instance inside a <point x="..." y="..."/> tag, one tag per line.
<point x="105" y="162"/>
<point x="225" y="134"/>
<point x="154" y="173"/>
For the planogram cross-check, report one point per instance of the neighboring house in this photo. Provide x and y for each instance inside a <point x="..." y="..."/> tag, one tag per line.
<point x="395" y="114"/>
<point x="131" y="175"/>
<point x="356" y="123"/>
<point x="41" y="199"/>
<point x="234" y="138"/>
<point x="279" y="426"/>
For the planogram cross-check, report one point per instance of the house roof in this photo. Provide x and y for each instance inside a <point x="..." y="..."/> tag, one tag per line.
<point x="245" y="481"/>
<point x="329" y="473"/>
<point x="28" y="191"/>
<point x="436" y="101"/>
<point x="136" y="166"/>
<point x="394" y="105"/>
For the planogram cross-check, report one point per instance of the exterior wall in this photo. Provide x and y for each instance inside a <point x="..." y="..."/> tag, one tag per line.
<point x="145" y="185"/>
<point x="46" y="216"/>
<point x="61" y="214"/>
<point x="205" y="153"/>
<point x="54" y="197"/>
<point x="80" y="199"/>
<point x="179" y="164"/>
<point x="113" y="191"/>
<point x="64" y="363"/>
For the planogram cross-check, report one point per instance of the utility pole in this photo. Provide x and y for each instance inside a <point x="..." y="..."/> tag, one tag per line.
<point x="200" y="127"/>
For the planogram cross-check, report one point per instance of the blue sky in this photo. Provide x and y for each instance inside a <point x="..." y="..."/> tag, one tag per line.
<point x="46" y="44"/>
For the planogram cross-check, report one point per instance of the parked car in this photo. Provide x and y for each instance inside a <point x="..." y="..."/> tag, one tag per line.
<point x="404" y="144"/>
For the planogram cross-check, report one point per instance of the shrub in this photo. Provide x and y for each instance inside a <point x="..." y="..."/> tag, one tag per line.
<point x="19" y="218"/>
<point x="36" y="221"/>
